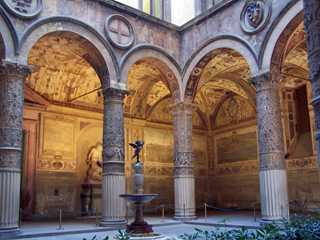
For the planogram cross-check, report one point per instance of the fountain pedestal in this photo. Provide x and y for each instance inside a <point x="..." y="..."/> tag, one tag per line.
<point x="139" y="227"/>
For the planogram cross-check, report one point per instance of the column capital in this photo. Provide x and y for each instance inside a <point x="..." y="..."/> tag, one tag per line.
<point x="15" y="69"/>
<point x="114" y="94"/>
<point x="265" y="81"/>
<point x="183" y="107"/>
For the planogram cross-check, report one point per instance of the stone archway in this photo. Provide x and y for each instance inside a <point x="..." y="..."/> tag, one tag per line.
<point x="218" y="86"/>
<point x="66" y="74"/>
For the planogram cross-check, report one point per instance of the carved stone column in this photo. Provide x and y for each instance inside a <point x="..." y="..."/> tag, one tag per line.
<point x="273" y="175"/>
<point x="184" y="186"/>
<point x="12" y="80"/>
<point x="113" y="177"/>
<point x="312" y="27"/>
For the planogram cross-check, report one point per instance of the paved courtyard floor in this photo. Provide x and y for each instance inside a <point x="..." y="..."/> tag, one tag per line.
<point x="84" y="227"/>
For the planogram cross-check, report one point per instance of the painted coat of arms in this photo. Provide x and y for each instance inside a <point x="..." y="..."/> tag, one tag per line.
<point x="255" y="15"/>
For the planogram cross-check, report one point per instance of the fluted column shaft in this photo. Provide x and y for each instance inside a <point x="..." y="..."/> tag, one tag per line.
<point x="113" y="177"/>
<point x="312" y="28"/>
<point x="12" y="81"/>
<point x="273" y="175"/>
<point x="184" y="185"/>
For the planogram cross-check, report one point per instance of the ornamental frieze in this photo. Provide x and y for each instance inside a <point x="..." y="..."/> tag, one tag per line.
<point x="56" y="165"/>
<point x="302" y="163"/>
<point x="248" y="167"/>
<point x="252" y="167"/>
<point x="272" y="161"/>
<point x="182" y="159"/>
<point x="113" y="168"/>
<point x="113" y="154"/>
<point x="10" y="158"/>
<point x="158" y="171"/>
<point x="183" y="171"/>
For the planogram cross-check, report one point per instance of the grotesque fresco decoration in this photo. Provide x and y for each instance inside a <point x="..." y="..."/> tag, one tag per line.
<point x="234" y="110"/>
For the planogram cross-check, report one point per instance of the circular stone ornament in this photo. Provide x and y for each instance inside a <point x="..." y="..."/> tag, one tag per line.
<point x="25" y="9"/>
<point x="119" y="31"/>
<point x="255" y="15"/>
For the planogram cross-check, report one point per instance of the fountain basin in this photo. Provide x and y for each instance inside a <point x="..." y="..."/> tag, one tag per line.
<point x="138" y="198"/>
<point x="138" y="227"/>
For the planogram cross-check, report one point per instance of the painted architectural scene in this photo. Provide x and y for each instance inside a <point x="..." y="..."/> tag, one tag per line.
<point x="224" y="94"/>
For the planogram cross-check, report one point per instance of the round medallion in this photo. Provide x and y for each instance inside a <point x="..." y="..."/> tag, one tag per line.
<point x="255" y="15"/>
<point x="233" y="108"/>
<point x="23" y="8"/>
<point x="119" y="31"/>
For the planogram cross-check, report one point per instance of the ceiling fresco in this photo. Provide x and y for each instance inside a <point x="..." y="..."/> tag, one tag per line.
<point x="219" y="74"/>
<point x="149" y="81"/>
<point x="295" y="69"/>
<point x="61" y="74"/>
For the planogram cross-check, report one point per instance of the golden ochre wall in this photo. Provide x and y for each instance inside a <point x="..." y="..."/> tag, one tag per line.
<point x="226" y="162"/>
<point x="65" y="139"/>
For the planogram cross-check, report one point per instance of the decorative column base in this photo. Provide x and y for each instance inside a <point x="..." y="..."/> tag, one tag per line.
<point x="184" y="188"/>
<point x="9" y="202"/>
<point x="113" y="207"/>
<point x="274" y="198"/>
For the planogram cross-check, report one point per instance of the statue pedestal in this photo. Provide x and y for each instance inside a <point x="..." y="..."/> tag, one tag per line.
<point x="91" y="197"/>
<point x="138" y="177"/>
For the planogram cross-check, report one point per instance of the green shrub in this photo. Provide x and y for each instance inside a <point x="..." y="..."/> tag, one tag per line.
<point x="298" y="228"/>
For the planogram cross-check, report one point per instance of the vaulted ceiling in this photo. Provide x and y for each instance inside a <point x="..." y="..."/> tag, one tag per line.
<point x="65" y="75"/>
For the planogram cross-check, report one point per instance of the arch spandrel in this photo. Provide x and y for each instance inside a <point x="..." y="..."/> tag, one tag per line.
<point x="9" y="37"/>
<point x="102" y="54"/>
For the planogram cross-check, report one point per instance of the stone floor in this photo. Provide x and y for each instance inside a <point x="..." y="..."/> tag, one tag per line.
<point x="84" y="227"/>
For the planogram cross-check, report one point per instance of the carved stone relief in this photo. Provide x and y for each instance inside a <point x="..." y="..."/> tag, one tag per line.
<point x="119" y="31"/>
<point x="12" y="77"/>
<point x="113" y="131"/>
<point x="270" y="134"/>
<point x="312" y="28"/>
<point x="255" y="15"/>
<point x="311" y="25"/>
<point x="183" y="138"/>
<point x="24" y="8"/>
